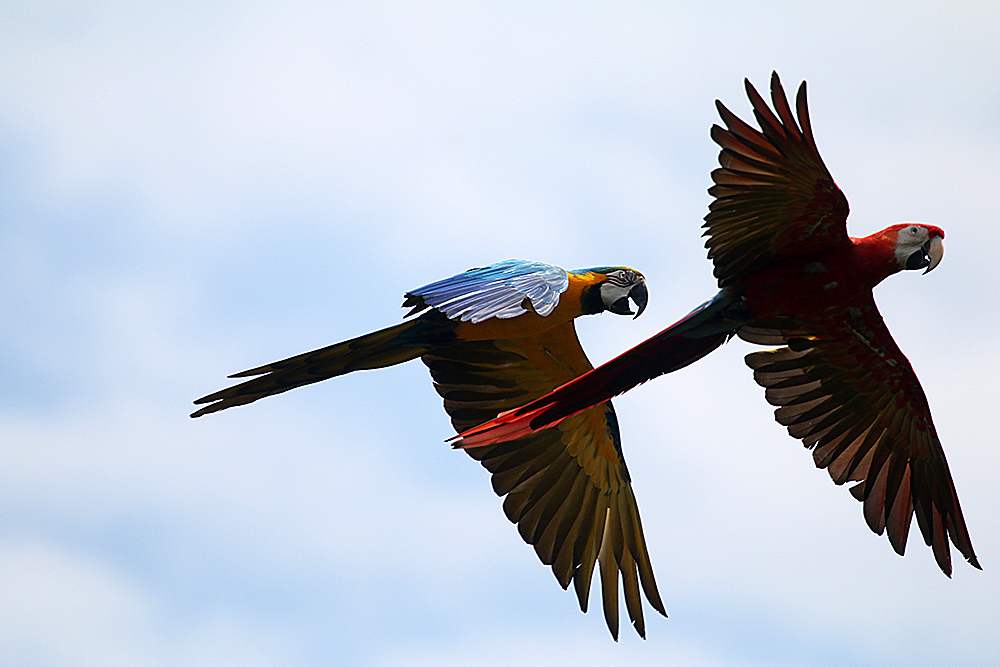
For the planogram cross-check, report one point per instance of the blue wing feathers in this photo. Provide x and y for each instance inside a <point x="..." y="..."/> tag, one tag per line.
<point x="497" y="290"/>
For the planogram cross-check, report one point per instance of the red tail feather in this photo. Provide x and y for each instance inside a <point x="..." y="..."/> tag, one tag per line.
<point x="506" y="426"/>
<point x="700" y="332"/>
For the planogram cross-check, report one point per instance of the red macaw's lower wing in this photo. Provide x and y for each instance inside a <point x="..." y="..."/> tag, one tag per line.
<point x="566" y="488"/>
<point x="845" y="389"/>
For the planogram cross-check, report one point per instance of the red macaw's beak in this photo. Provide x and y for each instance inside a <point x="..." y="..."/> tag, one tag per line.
<point x="935" y="252"/>
<point x="929" y="255"/>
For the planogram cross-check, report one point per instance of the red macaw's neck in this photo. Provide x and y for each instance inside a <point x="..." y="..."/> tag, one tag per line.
<point x="830" y="279"/>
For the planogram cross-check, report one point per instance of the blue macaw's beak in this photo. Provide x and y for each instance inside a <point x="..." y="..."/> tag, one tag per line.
<point x="639" y="294"/>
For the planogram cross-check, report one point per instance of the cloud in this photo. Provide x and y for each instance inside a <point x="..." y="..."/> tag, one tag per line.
<point x="62" y="607"/>
<point x="189" y="191"/>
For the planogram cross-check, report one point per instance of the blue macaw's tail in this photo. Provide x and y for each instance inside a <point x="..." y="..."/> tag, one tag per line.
<point x="701" y="331"/>
<point x="387" y="347"/>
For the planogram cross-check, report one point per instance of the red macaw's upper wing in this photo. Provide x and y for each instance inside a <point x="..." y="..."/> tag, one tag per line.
<point x="773" y="195"/>
<point x="567" y="488"/>
<point x="845" y="389"/>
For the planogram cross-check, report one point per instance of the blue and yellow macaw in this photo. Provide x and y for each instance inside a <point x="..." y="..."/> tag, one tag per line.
<point x="495" y="338"/>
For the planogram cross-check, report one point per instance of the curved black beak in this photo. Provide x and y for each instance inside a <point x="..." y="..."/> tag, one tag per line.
<point x="640" y="295"/>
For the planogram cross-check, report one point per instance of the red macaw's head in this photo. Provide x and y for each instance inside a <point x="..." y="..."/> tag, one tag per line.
<point x="918" y="246"/>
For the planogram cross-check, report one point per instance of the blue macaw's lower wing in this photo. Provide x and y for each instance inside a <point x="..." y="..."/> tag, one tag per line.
<point x="567" y="488"/>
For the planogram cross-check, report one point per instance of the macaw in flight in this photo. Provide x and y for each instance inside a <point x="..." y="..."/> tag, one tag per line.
<point x="494" y="338"/>
<point x="790" y="275"/>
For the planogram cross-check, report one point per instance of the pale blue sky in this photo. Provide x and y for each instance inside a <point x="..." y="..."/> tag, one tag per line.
<point x="187" y="191"/>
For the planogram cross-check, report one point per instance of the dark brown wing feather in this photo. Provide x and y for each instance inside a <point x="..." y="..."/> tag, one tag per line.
<point x="378" y="349"/>
<point x="567" y="488"/>
<point x="773" y="196"/>
<point x="845" y="389"/>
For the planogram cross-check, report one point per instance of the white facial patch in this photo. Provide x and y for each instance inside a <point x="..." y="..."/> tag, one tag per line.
<point x="910" y="240"/>
<point x="618" y="285"/>
<point x="611" y="292"/>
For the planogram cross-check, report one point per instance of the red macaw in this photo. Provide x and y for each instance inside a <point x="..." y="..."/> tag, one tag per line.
<point x="494" y="338"/>
<point x="790" y="275"/>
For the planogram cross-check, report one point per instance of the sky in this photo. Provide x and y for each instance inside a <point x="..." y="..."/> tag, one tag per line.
<point x="191" y="189"/>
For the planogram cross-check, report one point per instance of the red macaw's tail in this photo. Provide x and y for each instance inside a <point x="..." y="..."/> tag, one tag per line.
<point x="379" y="349"/>
<point x="701" y="331"/>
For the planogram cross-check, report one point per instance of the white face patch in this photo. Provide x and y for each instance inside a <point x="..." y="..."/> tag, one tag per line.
<point x="611" y="292"/>
<point x="618" y="285"/>
<point x="909" y="240"/>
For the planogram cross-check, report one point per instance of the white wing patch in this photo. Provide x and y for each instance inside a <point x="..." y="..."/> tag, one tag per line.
<point x="497" y="290"/>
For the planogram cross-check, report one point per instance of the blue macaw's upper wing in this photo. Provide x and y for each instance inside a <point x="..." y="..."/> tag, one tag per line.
<point x="501" y="290"/>
<point x="566" y="488"/>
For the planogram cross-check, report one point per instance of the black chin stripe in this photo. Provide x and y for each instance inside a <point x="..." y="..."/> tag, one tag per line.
<point x="591" y="302"/>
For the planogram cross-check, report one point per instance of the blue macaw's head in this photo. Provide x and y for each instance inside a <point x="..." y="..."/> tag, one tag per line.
<point x="619" y="284"/>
